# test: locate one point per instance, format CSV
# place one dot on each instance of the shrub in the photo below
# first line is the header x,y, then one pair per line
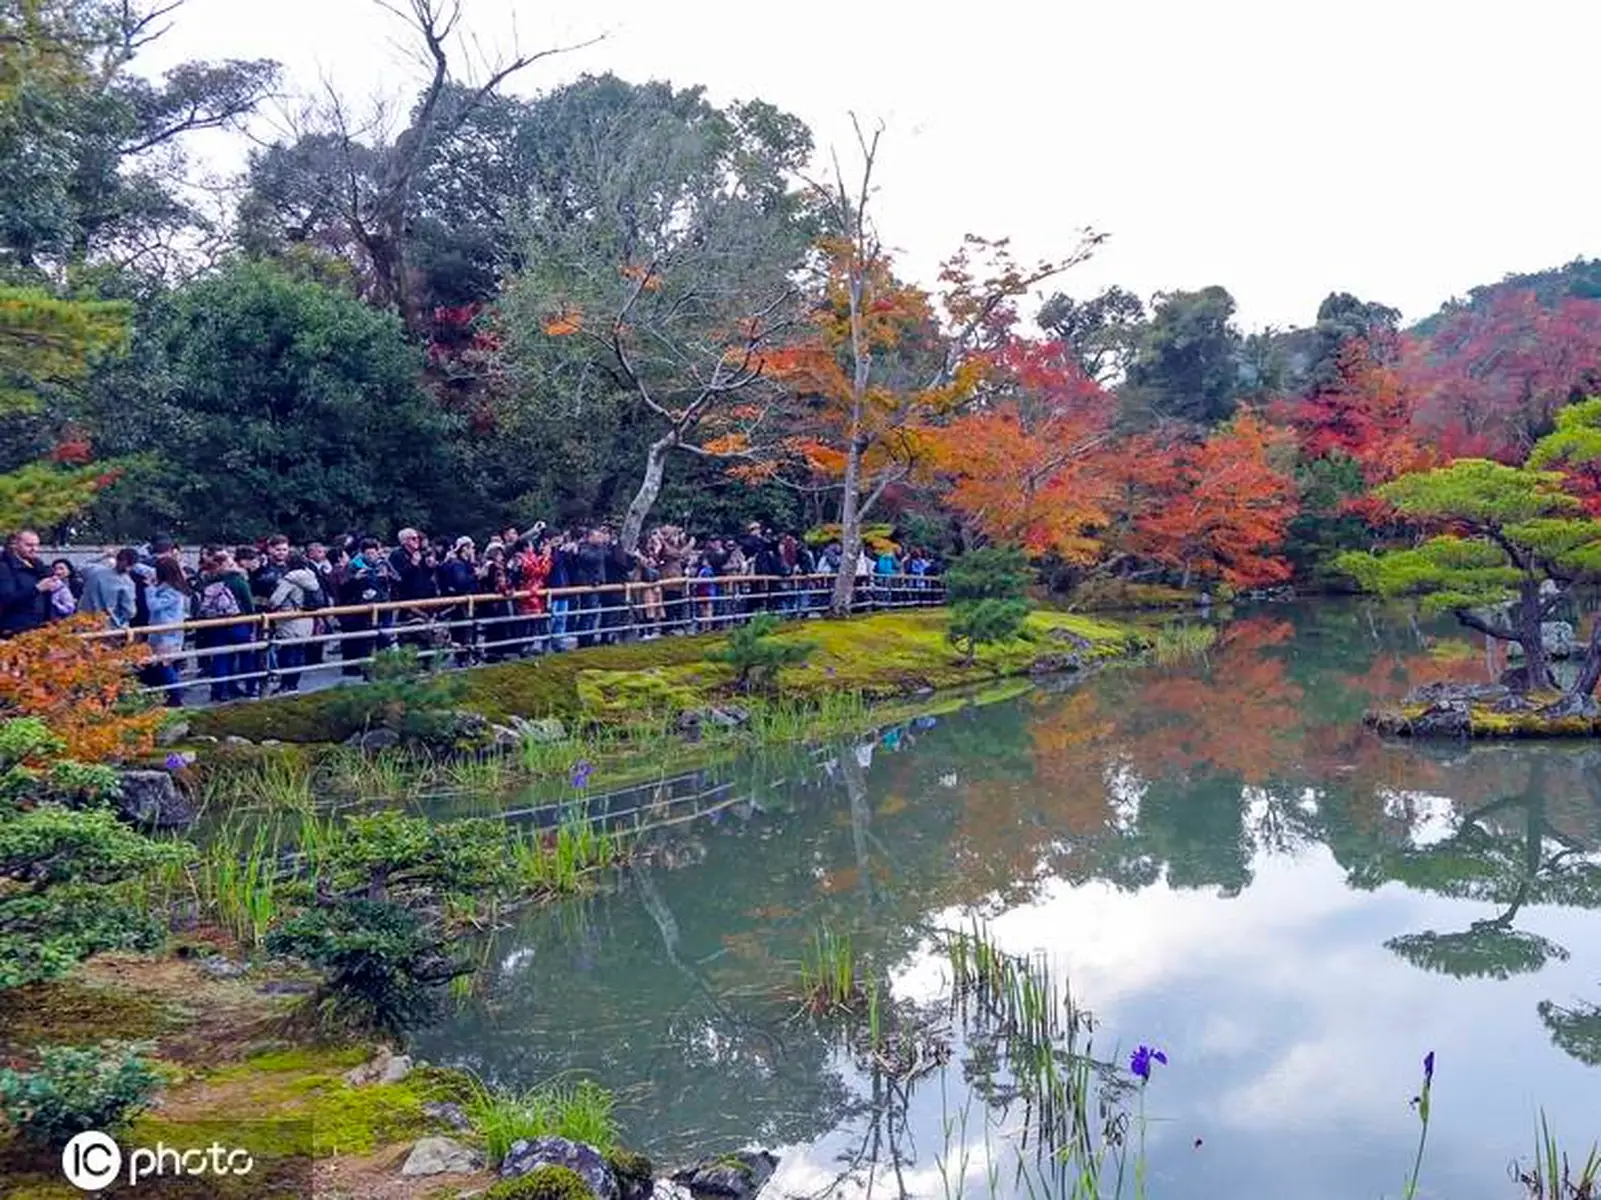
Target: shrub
x,y
65,860
83,690
987,591
416,699
756,655
542,1183
382,967
580,1112
76,1088
387,853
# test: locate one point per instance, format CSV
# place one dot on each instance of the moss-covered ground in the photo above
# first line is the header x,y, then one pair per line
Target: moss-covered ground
x,y
881,656
230,1079
1485,721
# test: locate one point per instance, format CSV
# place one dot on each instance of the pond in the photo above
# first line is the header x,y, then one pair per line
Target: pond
x,y
1213,857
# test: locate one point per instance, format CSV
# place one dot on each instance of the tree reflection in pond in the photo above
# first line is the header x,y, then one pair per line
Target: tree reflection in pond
x,y
1181,791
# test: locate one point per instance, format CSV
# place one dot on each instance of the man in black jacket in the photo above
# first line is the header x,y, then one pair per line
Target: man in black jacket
x,y
25,585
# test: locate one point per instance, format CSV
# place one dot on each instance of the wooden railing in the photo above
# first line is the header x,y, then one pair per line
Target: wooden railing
x,y
248,655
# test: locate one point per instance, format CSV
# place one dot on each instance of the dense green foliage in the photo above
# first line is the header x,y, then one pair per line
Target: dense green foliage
x,y
275,400
987,591
64,860
77,1088
414,698
756,655
382,968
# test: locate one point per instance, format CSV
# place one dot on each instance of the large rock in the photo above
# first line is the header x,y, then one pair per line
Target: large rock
x,y
1481,693
584,1160
386,1067
1558,637
729,1176
373,739
541,729
172,733
152,798
1445,718
442,1156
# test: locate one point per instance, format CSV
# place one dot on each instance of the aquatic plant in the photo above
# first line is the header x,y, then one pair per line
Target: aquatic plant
x,y
1421,1103
581,1111
1552,1175
556,860
829,974
1181,642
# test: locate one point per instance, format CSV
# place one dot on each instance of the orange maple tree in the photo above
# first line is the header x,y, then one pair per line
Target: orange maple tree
x,y
79,687
1026,468
1214,509
884,363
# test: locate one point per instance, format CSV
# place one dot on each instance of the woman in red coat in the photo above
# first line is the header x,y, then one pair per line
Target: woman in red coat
x,y
532,566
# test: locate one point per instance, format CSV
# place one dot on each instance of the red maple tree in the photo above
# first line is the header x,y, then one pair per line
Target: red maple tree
x,y
1490,378
1214,509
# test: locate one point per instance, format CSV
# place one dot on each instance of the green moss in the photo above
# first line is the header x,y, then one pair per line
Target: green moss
x,y
542,1183
1485,722
1122,595
307,1085
72,1012
883,655
612,696
626,1164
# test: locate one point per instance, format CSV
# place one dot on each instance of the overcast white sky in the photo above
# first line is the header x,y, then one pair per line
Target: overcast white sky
x,y
1403,150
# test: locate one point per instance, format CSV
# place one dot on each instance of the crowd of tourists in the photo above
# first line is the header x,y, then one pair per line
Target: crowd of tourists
x,y
533,592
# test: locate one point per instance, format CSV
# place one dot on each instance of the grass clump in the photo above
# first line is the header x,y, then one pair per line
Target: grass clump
x,y
1180,643
1554,1176
829,976
581,1112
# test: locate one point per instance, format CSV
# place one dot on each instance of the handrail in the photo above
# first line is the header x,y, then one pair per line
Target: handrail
x,y
377,608
457,630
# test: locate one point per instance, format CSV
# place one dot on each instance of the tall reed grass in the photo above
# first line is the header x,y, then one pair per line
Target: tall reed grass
x,y
580,1111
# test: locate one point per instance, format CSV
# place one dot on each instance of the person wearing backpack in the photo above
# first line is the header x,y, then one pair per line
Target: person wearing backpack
x,y
224,592
299,590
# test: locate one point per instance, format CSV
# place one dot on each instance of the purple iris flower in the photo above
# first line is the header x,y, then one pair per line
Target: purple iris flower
x,y
1140,1061
177,762
581,773
1428,1067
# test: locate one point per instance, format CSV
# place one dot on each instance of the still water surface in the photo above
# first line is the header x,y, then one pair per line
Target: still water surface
x,y
1215,856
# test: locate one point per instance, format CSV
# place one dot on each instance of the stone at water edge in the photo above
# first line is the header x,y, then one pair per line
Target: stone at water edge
x,y
442,1156
540,729
506,738
447,1113
373,739
152,798
582,1159
171,735
386,1067
737,1176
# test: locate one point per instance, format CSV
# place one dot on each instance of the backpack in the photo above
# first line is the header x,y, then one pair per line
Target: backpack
x,y
312,599
217,600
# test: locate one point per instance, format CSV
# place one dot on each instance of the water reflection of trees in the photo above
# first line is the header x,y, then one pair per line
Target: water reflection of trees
x,y
1189,776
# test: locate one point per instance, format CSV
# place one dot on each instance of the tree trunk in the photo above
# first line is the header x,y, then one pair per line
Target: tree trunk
x,y
649,488
850,531
1537,672
1590,672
